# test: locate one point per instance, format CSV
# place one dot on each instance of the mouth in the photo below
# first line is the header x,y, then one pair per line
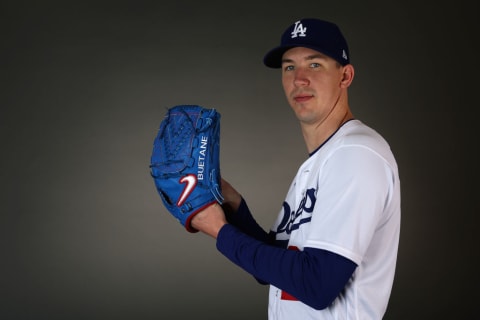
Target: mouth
x,y
302,98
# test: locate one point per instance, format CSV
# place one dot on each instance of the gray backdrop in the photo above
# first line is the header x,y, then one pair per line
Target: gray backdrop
x,y
84,86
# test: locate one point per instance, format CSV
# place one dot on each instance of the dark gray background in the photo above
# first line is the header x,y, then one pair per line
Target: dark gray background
x,y
84,86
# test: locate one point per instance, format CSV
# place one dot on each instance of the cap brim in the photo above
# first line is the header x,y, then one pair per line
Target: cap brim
x,y
273,59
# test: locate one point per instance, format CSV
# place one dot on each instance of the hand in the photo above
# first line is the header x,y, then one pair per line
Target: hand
x,y
210,220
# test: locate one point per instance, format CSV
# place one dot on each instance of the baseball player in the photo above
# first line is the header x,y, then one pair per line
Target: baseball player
x,y
331,253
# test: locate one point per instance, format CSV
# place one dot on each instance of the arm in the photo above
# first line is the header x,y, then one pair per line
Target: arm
x,y
314,276
244,221
235,212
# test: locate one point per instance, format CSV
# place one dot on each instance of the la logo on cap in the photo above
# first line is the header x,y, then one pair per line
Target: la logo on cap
x,y
299,30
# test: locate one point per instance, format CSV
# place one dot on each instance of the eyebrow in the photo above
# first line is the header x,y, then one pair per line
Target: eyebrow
x,y
310,57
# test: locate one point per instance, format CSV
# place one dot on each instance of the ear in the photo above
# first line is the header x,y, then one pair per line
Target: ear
x,y
347,77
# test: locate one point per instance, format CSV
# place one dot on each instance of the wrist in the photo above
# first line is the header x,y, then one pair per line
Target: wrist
x,y
210,220
232,203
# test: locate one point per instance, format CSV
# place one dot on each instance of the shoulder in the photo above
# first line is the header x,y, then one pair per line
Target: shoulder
x,y
354,144
357,135
357,132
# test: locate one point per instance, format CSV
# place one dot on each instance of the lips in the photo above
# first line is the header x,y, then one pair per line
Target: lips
x,y
302,97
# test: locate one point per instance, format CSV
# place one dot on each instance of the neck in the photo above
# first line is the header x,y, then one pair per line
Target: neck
x,y
316,135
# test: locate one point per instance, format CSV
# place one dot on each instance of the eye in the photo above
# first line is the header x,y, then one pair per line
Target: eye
x,y
288,68
314,65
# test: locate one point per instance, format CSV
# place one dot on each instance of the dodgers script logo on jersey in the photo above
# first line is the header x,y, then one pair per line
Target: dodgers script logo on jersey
x,y
289,222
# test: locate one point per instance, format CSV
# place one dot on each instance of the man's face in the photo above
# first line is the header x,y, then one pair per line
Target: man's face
x,y
312,83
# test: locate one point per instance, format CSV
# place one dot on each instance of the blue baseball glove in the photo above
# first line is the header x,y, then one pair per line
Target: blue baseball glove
x,y
185,163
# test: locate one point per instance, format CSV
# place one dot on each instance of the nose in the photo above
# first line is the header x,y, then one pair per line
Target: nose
x,y
301,79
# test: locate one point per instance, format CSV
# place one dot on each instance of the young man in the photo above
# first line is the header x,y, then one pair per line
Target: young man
x,y
331,253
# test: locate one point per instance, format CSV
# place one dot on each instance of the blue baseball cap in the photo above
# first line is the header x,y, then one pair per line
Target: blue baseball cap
x,y
320,35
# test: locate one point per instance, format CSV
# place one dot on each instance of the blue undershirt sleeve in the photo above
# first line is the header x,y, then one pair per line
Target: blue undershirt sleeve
x,y
243,220
314,276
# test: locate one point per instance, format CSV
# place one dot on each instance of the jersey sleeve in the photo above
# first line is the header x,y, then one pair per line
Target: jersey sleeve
x,y
355,188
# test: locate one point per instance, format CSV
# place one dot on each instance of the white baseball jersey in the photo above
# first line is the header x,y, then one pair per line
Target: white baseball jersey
x,y
345,198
